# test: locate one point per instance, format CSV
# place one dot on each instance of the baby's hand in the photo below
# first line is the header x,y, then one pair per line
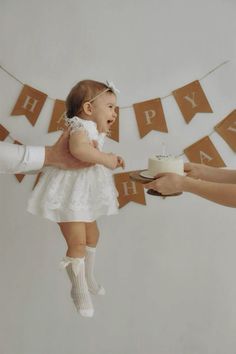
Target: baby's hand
x,y
111,161
121,162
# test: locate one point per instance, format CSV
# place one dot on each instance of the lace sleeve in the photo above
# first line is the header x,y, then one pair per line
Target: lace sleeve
x,y
75,125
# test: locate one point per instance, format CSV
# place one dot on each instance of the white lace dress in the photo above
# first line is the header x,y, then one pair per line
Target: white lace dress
x,y
75,195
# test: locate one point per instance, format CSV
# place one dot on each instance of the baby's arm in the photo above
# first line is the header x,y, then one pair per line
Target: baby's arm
x,y
81,148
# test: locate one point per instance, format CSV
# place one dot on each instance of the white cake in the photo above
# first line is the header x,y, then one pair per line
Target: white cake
x,y
158,164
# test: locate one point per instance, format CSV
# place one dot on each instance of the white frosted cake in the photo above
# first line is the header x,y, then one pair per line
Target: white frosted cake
x,y
158,164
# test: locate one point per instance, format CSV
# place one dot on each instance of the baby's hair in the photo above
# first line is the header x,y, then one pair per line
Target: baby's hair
x,y
83,91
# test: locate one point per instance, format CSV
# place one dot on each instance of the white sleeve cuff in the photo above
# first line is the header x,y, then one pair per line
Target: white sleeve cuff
x,y
16,158
34,158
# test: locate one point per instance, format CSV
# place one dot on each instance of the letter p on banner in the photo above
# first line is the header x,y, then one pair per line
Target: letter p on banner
x,y
150,116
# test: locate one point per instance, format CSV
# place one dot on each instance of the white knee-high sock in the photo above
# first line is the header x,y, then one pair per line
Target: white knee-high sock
x,y
93,286
75,268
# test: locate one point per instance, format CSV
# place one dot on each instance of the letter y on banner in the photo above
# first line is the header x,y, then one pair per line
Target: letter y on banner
x,y
191,99
128,190
227,130
29,103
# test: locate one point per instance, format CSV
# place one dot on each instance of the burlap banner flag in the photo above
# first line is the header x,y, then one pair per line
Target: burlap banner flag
x,y
37,179
191,99
204,152
19,176
29,103
150,116
114,131
3,132
227,130
129,191
57,120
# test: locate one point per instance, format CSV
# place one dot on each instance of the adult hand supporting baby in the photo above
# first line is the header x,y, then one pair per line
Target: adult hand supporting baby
x,y
58,155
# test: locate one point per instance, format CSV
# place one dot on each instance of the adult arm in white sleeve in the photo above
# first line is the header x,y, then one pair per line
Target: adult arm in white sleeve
x,y
16,158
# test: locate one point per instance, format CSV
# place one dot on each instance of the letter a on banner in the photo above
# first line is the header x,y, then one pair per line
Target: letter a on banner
x,y
227,130
58,115
204,152
129,191
191,99
29,103
150,116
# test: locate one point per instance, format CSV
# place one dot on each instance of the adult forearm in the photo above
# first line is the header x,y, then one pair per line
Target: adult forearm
x,y
224,194
219,175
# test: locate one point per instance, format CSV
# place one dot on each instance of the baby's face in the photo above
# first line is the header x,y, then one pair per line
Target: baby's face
x,y
104,112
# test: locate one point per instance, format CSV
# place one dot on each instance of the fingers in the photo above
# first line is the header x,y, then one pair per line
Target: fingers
x,y
121,162
151,185
187,167
95,144
159,175
63,138
157,182
65,133
60,145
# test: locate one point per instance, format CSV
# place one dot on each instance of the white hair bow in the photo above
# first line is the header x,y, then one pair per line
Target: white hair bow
x,y
112,87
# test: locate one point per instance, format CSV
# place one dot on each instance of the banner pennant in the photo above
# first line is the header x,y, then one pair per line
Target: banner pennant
x,y
114,131
227,130
3,132
29,103
150,116
204,152
129,191
191,99
37,179
19,176
57,120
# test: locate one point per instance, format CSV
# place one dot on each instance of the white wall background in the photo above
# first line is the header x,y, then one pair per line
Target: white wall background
x,y
168,267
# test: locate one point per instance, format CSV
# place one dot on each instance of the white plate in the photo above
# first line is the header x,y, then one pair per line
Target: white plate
x,y
145,174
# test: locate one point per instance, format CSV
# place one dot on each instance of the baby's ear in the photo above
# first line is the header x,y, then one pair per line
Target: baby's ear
x,y
87,107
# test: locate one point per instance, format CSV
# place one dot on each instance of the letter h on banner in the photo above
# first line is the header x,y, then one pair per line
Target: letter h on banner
x,y
29,103
128,190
